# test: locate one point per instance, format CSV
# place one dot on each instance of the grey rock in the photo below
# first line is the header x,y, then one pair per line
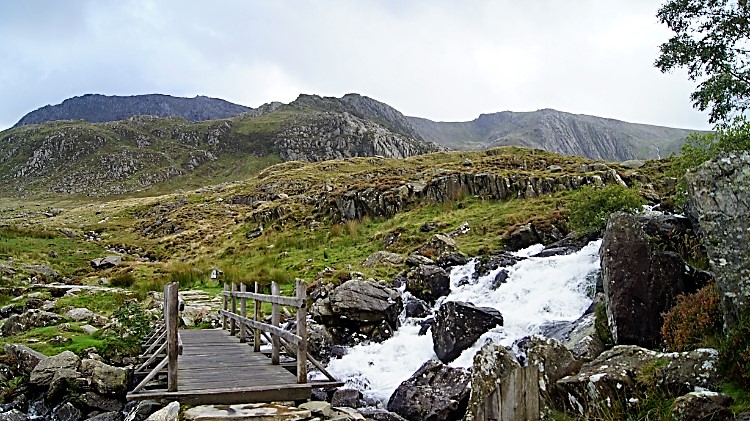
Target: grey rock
x,y
98,402
719,201
380,415
44,271
617,375
13,415
416,259
458,325
64,364
252,411
107,416
583,340
417,308
67,412
105,379
437,246
642,275
106,262
702,406
79,314
428,282
491,365
347,397
553,360
140,410
170,412
24,357
383,258
435,392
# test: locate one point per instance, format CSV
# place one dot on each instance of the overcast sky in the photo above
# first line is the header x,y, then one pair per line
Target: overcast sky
x,y
442,60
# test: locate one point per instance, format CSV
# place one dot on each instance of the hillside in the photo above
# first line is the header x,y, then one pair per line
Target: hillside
x,y
154,154
555,131
96,108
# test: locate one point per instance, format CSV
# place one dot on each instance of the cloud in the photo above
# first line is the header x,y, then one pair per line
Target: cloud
x,y
436,59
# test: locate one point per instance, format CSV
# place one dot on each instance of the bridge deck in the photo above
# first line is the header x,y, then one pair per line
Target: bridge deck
x,y
216,368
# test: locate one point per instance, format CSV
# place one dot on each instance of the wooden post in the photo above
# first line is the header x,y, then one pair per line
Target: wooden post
x,y
226,307
171,315
301,289
233,322
275,290
243,313
256,317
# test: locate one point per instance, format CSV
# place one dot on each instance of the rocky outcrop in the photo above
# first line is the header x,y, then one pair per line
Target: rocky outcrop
x,y
332,135
383,258
556,131
458,325
372,202
623,371
553,360
719,201
642,274
702,406
18,323
97,108
357,310
435,392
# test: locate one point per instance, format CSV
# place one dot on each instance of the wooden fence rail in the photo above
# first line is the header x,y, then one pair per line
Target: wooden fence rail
x,y
238,323
165,340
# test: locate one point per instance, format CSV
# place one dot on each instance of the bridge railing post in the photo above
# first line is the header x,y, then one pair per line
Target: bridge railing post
x,y
171,309
243,313
275,290
233,322
226,307
256,317
301,292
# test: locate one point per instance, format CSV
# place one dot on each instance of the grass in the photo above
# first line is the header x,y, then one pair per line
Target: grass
x,y
104,303
41,339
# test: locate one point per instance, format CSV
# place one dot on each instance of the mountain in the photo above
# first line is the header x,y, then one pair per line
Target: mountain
x,y
153,154
96,108
556,131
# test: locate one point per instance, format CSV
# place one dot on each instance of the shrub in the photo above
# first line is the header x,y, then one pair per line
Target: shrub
x,y
589,207
695,321
128,326
125,280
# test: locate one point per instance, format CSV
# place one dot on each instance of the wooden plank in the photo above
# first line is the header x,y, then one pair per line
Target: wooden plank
x,y
152,358
243,313
288,336
225,307
273,299
229,396
301,291
233,322
256,318
275,315
151,375
172,334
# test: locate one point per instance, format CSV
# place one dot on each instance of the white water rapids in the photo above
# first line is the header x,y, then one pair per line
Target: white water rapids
x,y
538,290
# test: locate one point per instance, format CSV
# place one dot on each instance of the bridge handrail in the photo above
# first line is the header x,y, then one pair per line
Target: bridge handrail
x,y
232,319
169,339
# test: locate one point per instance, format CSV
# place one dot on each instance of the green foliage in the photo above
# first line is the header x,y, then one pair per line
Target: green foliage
x,y
129,325
98,302
700,148
710,40
734,354
694,322
590,208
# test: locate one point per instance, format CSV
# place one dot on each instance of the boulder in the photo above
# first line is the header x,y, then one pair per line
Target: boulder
x,y
553,359
428,282
106,262
66,412
632,164
417,308
140,410
319,341
44,271
458,325
642,274
64,364
23,357
719,203
491,365
583,340
437,246
347,397
171,412
97,402
624,371
105,379
435,392
248,411
380,415
30,319
79,314
107,416
702,406
383,258
13,415
487,264
415,260
358,310
449,260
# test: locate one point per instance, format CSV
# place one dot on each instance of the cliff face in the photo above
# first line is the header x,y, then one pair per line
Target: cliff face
x,y
555,131
96,108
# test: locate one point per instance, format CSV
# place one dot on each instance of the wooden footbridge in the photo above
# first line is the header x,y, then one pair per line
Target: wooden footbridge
x,y
228,365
